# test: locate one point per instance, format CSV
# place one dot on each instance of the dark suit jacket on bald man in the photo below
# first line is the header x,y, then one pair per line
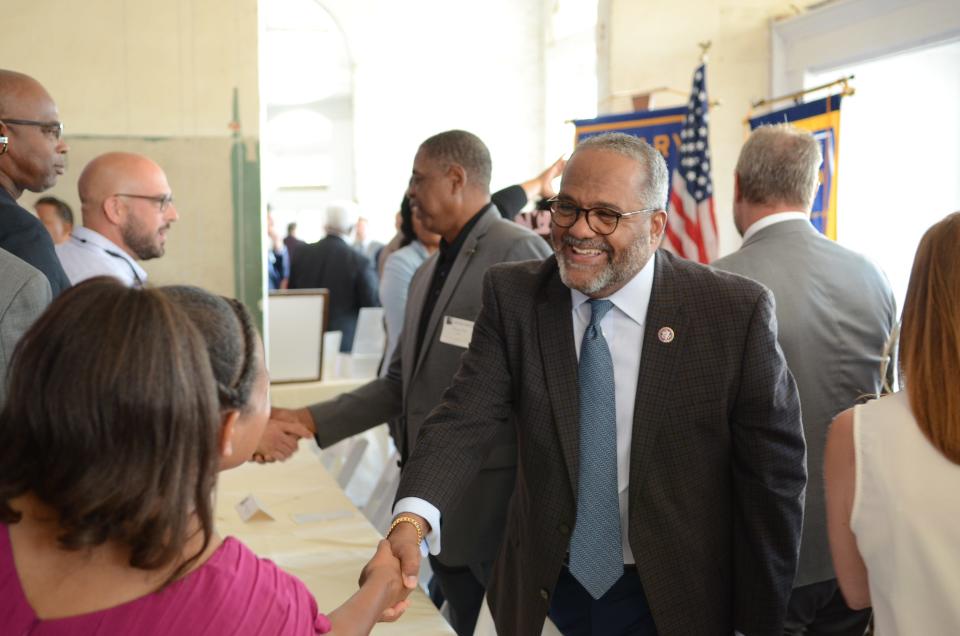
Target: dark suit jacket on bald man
x,y
716,466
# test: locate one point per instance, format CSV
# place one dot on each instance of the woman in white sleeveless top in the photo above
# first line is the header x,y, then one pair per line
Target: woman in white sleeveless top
x,y
892,466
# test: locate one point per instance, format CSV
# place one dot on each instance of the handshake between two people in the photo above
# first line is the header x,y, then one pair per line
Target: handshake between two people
x,y
385,582
396,565
393,572
282,434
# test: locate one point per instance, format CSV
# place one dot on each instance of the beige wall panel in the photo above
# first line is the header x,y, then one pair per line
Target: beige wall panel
x,y
156,78
137,67
655,44
200,244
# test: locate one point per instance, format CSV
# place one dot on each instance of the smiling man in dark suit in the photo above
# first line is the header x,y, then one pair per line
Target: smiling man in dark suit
x,y
661,474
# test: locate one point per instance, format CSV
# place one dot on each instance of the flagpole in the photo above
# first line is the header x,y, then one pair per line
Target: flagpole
x,y
846,92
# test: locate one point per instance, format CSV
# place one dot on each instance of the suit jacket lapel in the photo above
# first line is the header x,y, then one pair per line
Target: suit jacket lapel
x,y
466,253
411,321
555,329
658,364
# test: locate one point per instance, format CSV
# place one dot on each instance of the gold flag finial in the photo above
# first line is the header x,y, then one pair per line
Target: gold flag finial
x,y
704,48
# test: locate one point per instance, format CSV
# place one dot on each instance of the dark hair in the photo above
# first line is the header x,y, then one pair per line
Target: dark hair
x,y
227,327
63,210
406,223
291,227
112,421
464,149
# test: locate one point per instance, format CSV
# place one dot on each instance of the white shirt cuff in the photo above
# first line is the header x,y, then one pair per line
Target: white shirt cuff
x,y
428,511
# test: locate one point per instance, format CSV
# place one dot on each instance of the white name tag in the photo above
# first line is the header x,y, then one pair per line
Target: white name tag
x,y
251,508
456,331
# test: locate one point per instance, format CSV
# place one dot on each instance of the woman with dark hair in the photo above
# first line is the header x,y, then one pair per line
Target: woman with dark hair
x,y
892,466
123,405
416,246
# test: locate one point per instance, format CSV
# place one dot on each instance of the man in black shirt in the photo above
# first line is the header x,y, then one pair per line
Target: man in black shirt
x,y
449,192
32,156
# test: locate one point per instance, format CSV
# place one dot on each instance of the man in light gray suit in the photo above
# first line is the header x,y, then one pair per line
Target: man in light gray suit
x,y
449,192
24,294
835,311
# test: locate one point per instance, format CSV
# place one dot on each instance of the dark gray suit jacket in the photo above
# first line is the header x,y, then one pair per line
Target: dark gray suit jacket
x,y
717,459
414,385
24,294
835,310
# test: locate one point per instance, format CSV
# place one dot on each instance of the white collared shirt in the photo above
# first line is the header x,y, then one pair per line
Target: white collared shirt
x,y
622,327
88,253
779,217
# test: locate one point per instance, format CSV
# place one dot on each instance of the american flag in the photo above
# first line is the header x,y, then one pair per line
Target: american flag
x,y
691,223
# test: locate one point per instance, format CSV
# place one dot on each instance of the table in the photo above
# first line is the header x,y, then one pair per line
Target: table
x,y
297,394
326,551
379,449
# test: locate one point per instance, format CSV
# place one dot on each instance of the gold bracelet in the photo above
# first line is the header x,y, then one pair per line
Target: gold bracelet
x,y
410,520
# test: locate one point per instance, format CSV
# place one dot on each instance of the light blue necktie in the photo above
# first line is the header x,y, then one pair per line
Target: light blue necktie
x,y
596,553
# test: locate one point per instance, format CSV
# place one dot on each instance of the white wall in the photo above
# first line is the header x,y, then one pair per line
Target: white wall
x,y
425,66
155,78
899,155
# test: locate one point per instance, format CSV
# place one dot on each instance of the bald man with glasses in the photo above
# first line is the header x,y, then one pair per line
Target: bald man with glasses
x,y
127,210
32,157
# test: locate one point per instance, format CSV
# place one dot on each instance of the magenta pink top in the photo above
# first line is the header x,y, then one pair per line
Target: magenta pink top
x,y
234,592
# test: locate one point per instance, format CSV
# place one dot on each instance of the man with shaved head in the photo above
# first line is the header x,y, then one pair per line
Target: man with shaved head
x,y
32,156
127,208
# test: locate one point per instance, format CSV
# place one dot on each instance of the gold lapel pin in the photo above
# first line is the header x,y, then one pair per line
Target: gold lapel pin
x,y
666,334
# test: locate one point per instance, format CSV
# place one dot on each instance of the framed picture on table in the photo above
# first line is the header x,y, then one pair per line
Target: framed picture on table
x,y
296,321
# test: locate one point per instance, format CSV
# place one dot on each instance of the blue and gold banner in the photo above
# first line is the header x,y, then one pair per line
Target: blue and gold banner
x,y
822,119
659,128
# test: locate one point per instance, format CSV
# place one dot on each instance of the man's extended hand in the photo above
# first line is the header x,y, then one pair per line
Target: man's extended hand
x,y
284,430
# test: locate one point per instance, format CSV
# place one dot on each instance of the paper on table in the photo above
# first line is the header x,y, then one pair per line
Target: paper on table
x,y
251,508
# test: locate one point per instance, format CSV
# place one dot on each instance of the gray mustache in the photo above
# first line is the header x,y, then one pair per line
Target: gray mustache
x,y
585,244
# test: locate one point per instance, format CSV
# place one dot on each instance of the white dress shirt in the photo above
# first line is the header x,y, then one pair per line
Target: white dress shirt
x,y
779,217
622,328
88,253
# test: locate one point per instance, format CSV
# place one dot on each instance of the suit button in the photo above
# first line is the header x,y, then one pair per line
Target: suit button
x,y
544,594
564,529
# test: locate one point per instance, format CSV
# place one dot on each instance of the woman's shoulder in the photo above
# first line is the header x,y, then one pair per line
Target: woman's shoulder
x,y
237,592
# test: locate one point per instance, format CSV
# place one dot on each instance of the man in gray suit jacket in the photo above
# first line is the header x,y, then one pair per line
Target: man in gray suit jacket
x,y
835,311
449,191
661,467
24,294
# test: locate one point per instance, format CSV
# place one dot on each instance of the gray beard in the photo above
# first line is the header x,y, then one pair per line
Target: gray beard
x,y
614,273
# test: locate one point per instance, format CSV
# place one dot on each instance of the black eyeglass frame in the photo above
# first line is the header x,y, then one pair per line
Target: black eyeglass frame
x,y
55,127
555,201
163,199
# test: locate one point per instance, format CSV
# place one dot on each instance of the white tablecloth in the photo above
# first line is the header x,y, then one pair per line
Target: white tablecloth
x,y
326,549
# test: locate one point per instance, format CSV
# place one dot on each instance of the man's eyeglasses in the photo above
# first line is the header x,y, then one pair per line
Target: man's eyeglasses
x,y
163,200
601,220
52,128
